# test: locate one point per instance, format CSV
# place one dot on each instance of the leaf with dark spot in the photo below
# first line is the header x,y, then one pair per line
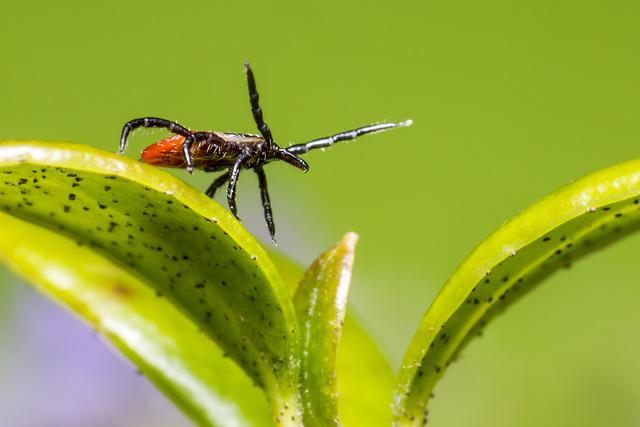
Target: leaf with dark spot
x,y
321,301
261,336
548,236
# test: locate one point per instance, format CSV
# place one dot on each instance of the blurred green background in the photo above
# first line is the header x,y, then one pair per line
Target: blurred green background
x,y
510,99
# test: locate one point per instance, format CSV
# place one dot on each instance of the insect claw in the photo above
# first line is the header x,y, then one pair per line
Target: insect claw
x,y
406,123
304,166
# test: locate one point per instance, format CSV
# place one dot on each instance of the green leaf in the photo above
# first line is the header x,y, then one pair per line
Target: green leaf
x,y
173,239
166,346
321,301
571,222
365,379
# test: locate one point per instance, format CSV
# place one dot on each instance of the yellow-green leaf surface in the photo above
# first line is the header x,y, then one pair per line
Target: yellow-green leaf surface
x,y
585,215
173,239
321,302
364,377
166,346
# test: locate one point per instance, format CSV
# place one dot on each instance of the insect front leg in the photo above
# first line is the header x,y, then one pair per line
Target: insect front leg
x,y
266,202
233,181
344,136
292,159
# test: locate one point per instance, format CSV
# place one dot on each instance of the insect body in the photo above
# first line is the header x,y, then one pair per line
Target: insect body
x,y
214,151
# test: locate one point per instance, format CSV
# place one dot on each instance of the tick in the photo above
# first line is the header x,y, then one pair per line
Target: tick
x,y
214,151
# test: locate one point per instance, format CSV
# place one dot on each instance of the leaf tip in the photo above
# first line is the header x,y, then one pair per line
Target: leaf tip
x,y
350,240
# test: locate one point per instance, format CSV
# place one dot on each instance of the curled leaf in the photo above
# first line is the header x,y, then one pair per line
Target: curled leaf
x,y
364,376
571,222
320,301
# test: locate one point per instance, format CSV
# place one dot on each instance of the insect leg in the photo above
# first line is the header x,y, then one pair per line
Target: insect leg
x,y
186,150
344,136
254,100
233,181
266,202
150,122
219,182
186,147
292,159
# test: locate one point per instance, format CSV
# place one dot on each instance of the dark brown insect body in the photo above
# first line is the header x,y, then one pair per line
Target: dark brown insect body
x,y
214,151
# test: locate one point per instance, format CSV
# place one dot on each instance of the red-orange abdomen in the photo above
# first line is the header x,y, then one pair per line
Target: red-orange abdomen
x,y
166,152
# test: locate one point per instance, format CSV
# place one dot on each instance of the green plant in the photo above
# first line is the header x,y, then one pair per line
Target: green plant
x,y
177,284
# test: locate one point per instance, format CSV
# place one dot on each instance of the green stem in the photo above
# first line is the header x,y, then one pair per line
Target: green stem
x,y
287,410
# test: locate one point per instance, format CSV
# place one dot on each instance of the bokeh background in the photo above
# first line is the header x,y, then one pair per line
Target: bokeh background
x,y
510,99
